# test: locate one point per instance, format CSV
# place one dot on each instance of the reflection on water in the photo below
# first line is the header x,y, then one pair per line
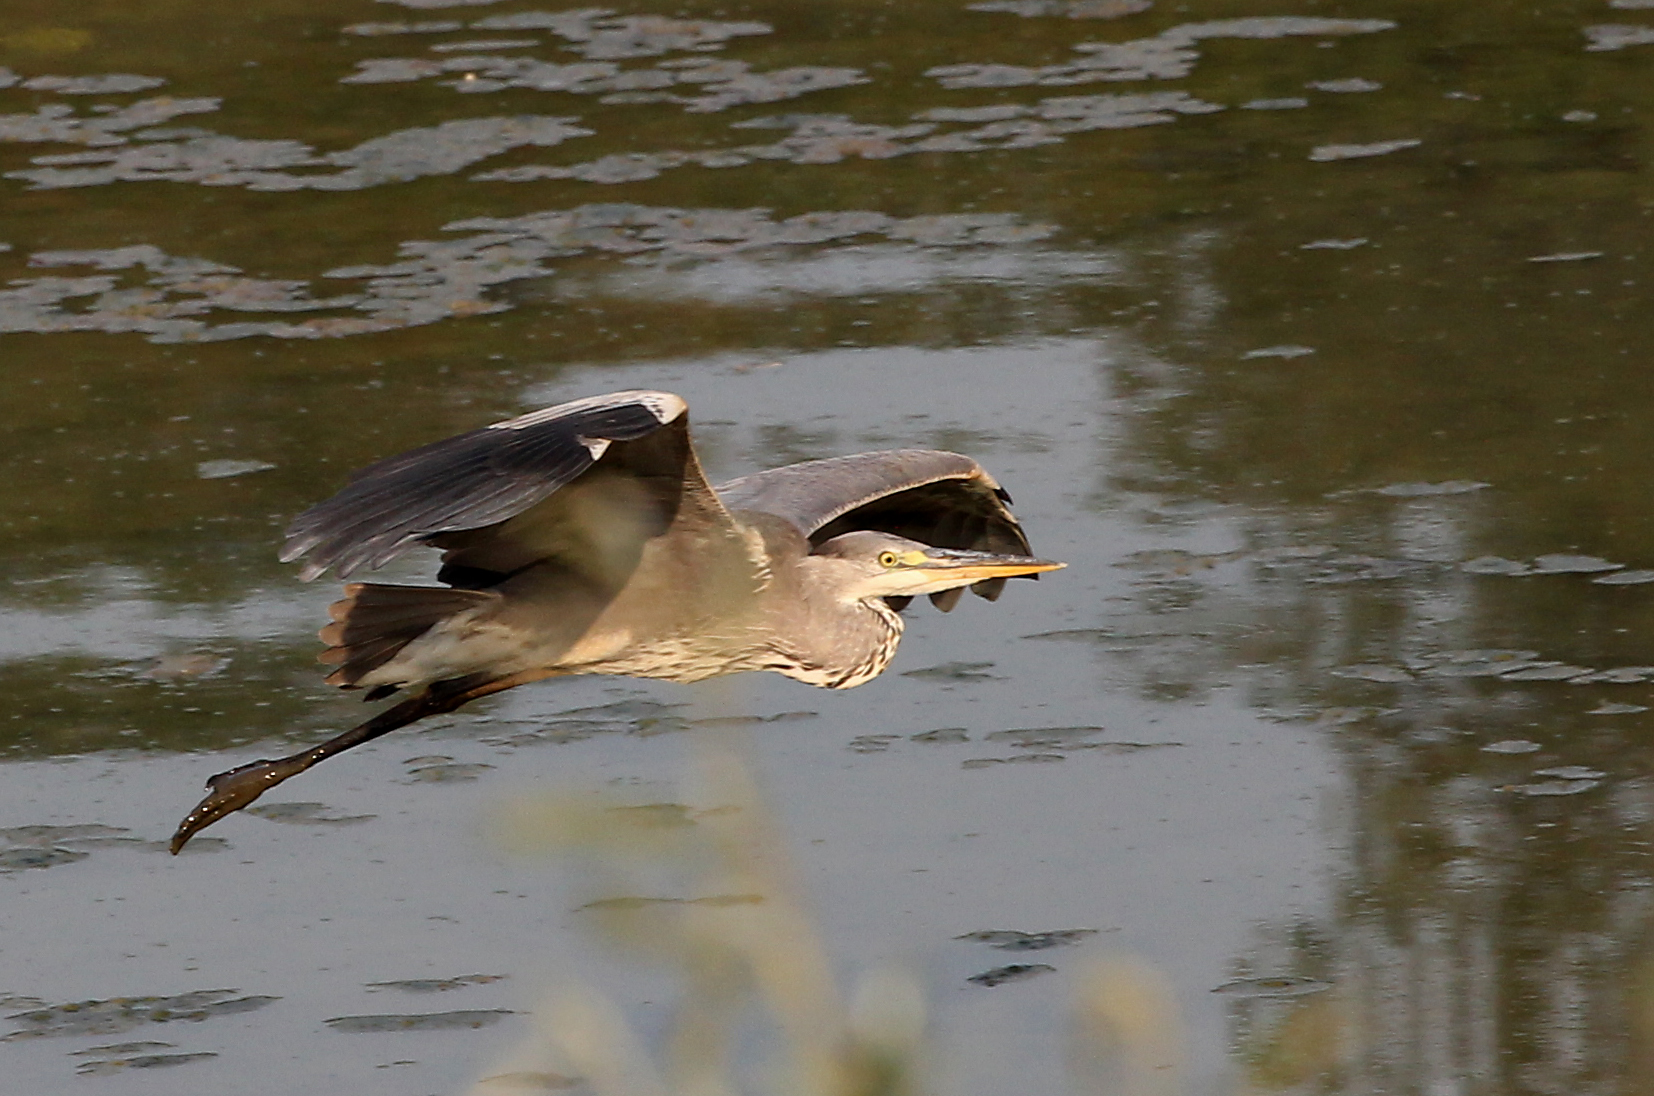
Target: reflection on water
x,y
1314,339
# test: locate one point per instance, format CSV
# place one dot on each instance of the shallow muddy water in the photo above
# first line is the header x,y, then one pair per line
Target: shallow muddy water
x,y
1313,336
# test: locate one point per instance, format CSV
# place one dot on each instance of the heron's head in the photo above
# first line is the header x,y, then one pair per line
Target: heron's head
x,y
885,565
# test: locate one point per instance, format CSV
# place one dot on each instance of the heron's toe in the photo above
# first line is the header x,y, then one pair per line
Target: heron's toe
x,y
230,791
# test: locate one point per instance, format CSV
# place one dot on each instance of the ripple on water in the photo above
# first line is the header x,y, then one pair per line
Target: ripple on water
x,y
1348,86
108,84
1612,36
1555,787
267,164
107,1066
1287,985
1561,564
305,814
1326,153
1283,351
435,280
1012,940
1064,9
431,1021
1015,972
117,1014
1625,578
1169,55
438,985
226,469
524,1080
1511,746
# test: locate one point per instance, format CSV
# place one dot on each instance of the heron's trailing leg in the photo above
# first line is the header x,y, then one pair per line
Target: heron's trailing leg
x,y
230,791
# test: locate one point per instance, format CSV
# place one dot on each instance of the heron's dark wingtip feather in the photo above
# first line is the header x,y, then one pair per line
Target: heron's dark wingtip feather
x,y
990,588
468,481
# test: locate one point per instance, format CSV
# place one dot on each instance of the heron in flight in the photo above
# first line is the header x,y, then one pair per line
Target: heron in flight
x,y
584,539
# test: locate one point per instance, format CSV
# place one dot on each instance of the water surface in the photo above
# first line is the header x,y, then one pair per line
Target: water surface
x,y
1312,335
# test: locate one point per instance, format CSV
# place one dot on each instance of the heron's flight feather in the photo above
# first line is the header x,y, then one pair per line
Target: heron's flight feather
x,y
481,478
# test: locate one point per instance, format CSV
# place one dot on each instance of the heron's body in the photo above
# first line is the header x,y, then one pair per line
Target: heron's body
x,y
584,539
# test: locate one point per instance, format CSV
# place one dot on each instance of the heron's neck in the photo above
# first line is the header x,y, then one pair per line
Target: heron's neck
x,y
826,640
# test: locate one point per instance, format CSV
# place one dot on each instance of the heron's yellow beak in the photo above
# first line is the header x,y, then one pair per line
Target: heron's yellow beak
x,y
965,567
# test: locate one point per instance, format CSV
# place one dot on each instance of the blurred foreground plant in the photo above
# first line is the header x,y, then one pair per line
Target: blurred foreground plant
x,y
744,946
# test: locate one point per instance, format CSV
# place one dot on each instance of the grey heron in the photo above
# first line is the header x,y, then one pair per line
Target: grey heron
x,y
584,539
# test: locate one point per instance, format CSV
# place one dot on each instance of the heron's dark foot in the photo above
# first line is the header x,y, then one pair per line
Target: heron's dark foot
x,y
230,791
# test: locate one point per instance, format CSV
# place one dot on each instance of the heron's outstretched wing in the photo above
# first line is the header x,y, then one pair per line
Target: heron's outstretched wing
x,y
942,499
632,448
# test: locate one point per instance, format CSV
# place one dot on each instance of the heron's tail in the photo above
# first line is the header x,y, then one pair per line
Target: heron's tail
x,y
374,622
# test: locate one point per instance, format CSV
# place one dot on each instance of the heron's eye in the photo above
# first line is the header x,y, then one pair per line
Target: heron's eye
x,y
887,559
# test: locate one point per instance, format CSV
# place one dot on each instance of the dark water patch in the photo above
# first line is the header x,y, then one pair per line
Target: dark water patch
x,y
108,1066
117,1014
1286,985
147,1046
41,857
1503,665
941,736
1106,637
46,846
955,671
453,772
51,835
1012,940
1016,759
1059,738
635,716
752,720
461,1019
438,985
306,814
1015,972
